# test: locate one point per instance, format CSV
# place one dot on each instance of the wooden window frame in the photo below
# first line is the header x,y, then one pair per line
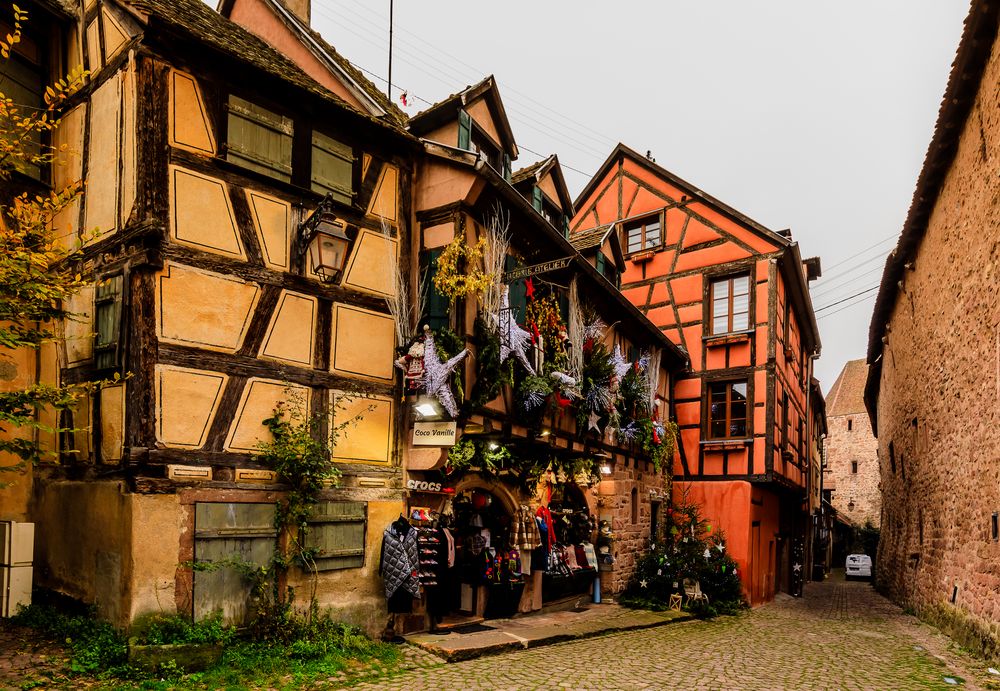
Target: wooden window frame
x,y
711,282
728,383
110,290
642,222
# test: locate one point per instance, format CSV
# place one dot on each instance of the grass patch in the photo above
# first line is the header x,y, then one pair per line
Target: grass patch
x,y
302,650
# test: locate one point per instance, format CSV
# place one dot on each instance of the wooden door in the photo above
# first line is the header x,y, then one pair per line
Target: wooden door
x,y
234,534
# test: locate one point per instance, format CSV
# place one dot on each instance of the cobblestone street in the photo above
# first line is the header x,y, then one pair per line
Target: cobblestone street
x,y
841,635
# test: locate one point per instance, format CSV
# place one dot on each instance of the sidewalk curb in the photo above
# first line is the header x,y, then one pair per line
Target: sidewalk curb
x,y
450,656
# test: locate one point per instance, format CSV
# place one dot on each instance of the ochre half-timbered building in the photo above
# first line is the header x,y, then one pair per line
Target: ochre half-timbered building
x,y
733,294
204,150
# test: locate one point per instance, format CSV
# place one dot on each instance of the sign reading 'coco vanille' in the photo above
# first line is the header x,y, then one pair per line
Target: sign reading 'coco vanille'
x,y
434,433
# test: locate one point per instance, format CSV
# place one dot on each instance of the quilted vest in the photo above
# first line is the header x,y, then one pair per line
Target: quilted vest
x,y
400,561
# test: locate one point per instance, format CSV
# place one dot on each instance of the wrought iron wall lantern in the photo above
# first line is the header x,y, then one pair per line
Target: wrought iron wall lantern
x,y
324,237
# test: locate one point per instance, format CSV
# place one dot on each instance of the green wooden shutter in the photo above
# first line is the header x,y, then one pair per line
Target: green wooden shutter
x,y
464,130
332,168
107,319
565,226
518,292
437,306
337,533
229,533
600,263
536,198
507,171
259,139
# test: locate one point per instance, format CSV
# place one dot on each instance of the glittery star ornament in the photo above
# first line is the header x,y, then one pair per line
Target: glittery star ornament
x,y
643,583
708,553
437,374
513,339
593,422
620,364
796,567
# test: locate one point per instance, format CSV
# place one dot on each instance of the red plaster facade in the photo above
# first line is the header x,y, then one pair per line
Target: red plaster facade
x,y
695,252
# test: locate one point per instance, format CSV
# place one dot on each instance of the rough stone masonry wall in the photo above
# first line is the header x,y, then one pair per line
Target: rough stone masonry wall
x,y
939,403
844,446
614,501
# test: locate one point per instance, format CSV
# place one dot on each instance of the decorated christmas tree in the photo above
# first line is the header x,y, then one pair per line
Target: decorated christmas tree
x,y
690,549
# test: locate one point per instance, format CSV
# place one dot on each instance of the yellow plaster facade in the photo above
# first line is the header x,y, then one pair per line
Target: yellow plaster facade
x,y
363,343
291,333
365,427
272,221
187,118
259,400
201,308
368,269
186,402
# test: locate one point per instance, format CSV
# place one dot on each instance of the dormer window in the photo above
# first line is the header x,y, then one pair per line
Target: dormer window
x,y
472,138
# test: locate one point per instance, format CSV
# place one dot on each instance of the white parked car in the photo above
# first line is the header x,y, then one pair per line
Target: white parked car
x,y
858,566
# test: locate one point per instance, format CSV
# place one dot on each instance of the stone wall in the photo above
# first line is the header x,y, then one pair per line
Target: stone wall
x,y
614,502
856,495
937,411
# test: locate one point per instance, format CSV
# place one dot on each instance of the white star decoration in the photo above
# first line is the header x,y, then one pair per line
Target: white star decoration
x,y
593,421
708,553
513,339
643,583
437,374
620,364
796,567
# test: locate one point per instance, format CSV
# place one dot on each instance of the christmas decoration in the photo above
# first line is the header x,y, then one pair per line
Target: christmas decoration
x,y
412,365
593,422
619,363
450,280
437,374
513,339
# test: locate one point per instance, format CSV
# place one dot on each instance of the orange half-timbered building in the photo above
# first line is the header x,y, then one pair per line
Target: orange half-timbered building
x,y
734,295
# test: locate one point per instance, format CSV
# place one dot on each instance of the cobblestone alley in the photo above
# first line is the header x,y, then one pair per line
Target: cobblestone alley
x,y
841,635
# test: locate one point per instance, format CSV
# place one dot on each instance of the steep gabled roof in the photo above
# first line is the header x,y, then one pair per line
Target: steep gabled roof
x,y
341,67
622,151
790,262
537,171
590,240
847,395
446,110
196,21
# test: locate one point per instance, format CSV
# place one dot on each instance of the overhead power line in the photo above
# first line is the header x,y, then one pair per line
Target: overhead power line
x,y
862,301
849,297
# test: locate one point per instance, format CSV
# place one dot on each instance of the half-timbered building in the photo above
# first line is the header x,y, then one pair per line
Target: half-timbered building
x,y
204,151
733,294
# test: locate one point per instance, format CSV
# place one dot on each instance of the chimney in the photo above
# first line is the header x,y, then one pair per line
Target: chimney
x,y
300,8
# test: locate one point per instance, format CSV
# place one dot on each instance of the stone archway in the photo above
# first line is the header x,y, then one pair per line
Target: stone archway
x,y
495,487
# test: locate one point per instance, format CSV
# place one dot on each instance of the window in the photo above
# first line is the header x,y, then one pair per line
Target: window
x,y
437,312
850,424
107,317
336,530
854,467
635,505
481,144
730,300
606,267
22,80
259,139
643,234
332,168
727,410
784,422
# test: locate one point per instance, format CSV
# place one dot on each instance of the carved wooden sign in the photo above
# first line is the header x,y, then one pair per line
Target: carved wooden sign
x,y
534,269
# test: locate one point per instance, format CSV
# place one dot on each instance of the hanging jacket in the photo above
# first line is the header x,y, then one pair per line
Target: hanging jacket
x,y
400,561
526,530
544,513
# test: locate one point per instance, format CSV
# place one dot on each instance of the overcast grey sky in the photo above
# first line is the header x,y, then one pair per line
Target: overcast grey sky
x,y
803,115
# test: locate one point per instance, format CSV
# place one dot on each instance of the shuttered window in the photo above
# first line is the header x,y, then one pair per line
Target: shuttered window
x,y
536,198
259,139
436,306
107,317
332,168
507,170
517,292
337,534
464,130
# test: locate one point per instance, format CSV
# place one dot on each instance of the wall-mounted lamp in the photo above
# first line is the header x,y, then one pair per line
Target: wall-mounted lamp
x,y
324,237
605,469
427,407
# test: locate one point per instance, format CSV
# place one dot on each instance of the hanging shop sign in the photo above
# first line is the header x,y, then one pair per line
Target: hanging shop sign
x,y
534,269
429,487
434,433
